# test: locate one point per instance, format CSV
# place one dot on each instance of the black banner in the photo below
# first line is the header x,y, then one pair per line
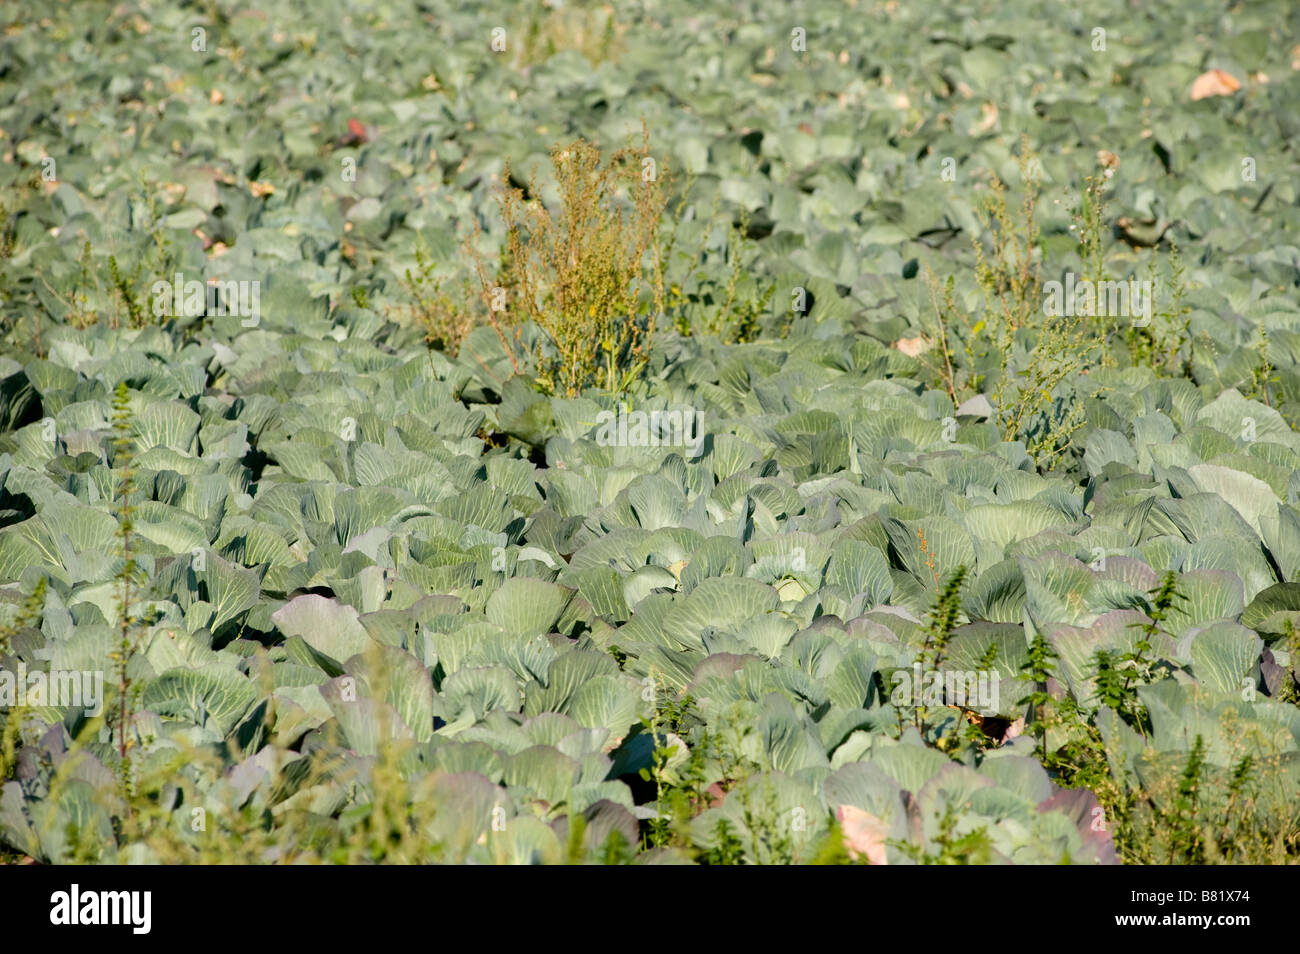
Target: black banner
x,y
292,905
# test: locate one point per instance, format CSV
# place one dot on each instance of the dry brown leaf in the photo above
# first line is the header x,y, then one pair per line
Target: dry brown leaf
x,y
864,834
913,346
1214,83
989,118
1015,729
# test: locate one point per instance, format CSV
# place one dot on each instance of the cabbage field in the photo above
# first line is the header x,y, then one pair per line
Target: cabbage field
x,y
673,431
